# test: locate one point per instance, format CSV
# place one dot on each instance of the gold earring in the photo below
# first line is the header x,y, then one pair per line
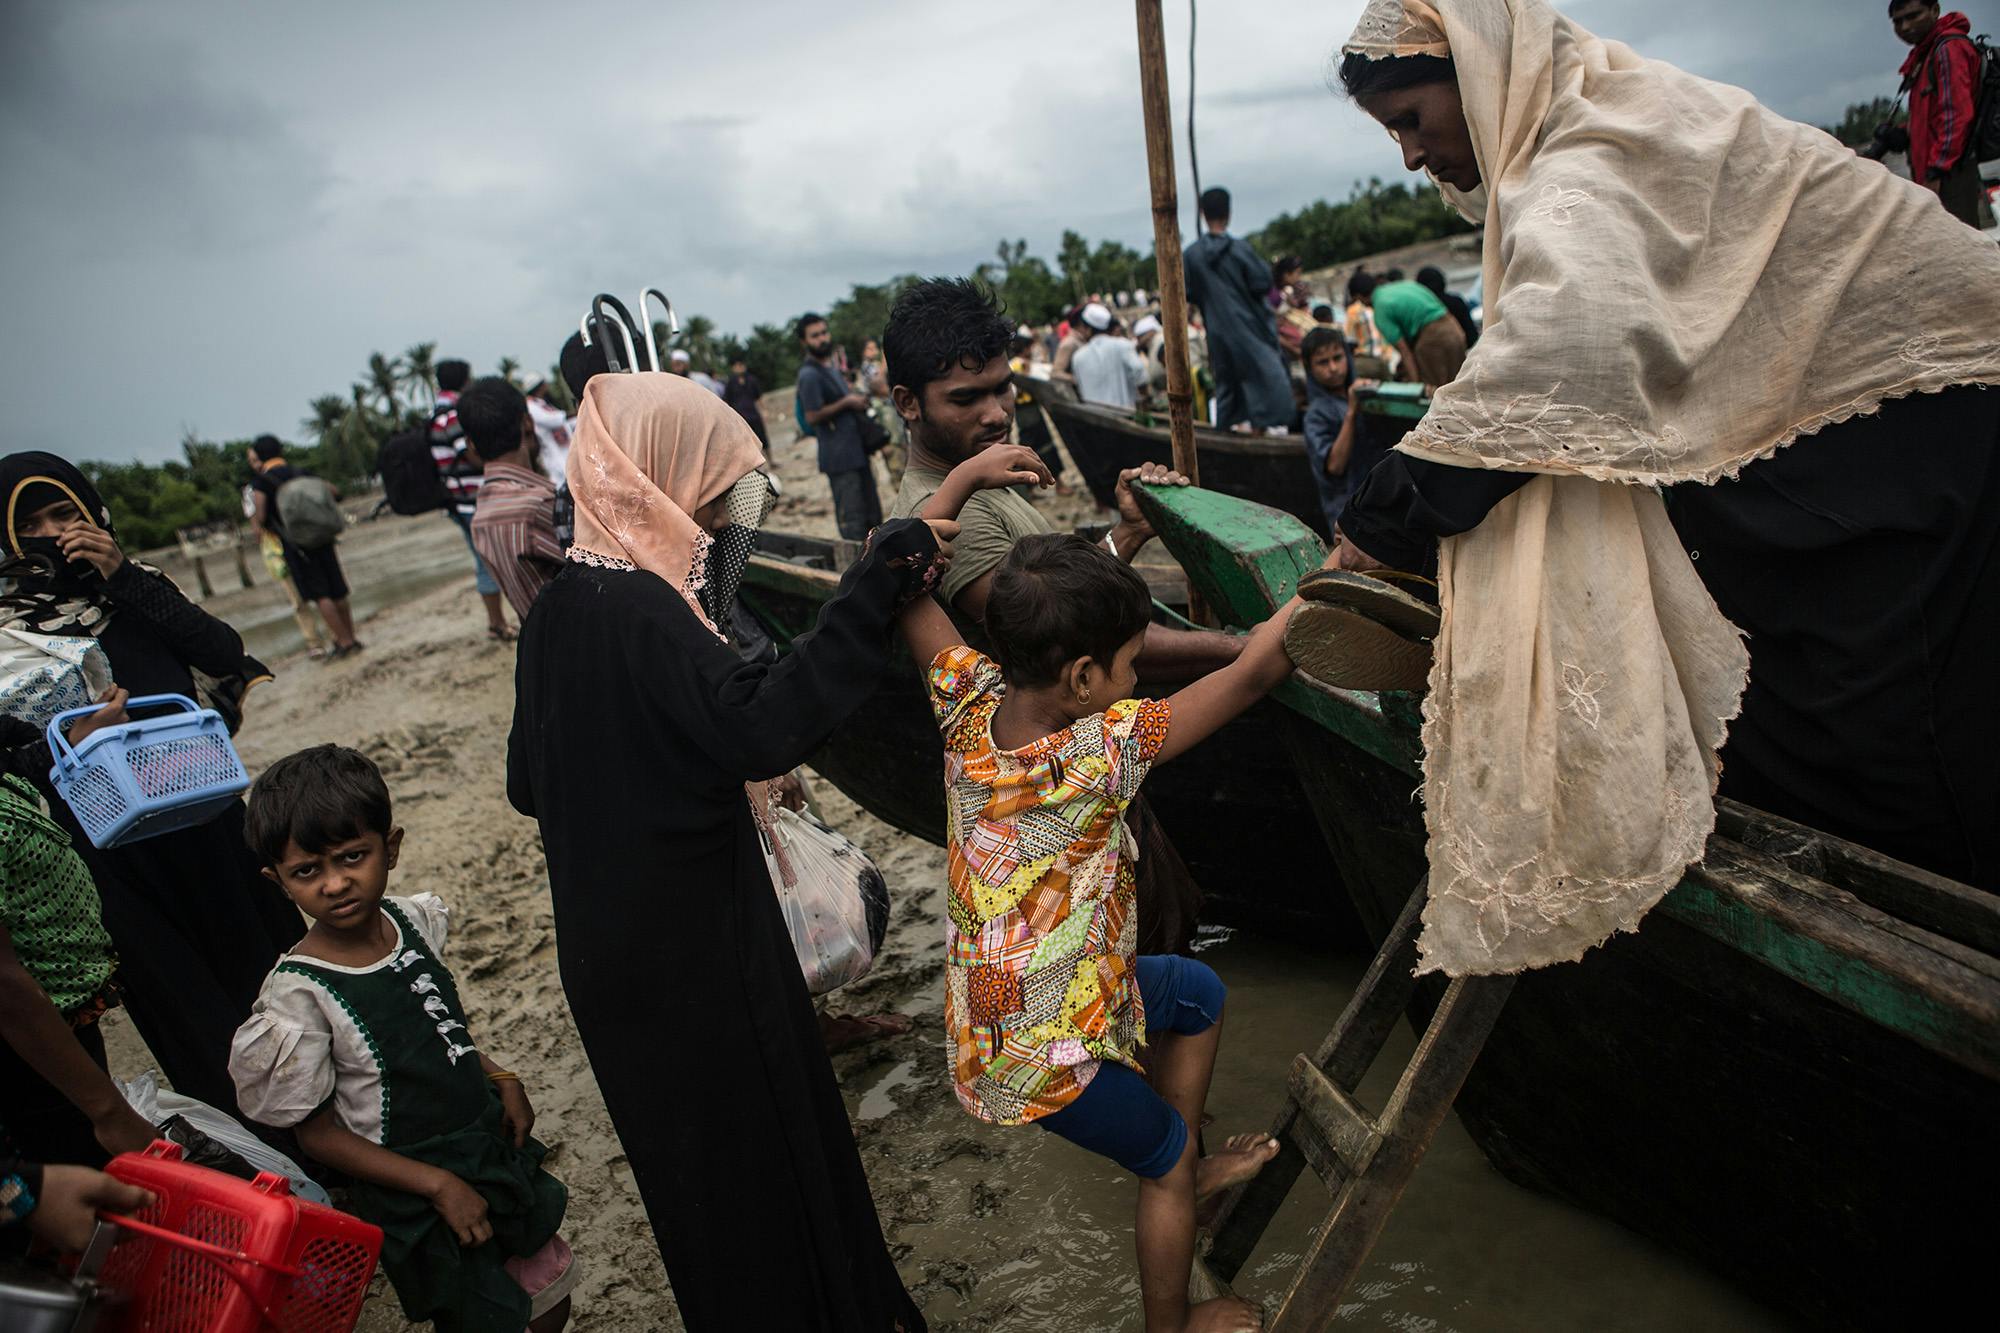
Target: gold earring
x,y
1083,696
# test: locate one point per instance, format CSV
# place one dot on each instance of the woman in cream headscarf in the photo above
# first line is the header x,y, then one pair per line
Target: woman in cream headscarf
x,y
1684,457
636,731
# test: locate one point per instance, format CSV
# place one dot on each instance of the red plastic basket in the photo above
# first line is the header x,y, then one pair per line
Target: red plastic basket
x,y
214,1254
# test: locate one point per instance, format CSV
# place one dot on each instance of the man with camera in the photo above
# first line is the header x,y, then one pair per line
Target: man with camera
x,y
1941,76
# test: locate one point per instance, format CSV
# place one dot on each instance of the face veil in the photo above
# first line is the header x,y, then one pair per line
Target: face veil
x,y
749,504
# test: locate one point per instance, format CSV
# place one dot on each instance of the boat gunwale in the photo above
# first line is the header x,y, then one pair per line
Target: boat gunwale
x,y
1841,943
1888,967
1205,437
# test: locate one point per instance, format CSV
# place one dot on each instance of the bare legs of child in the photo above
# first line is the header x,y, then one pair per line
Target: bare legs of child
x,y
1181,1067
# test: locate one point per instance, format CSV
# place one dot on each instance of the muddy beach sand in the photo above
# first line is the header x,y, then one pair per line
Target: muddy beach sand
x,y
993,1229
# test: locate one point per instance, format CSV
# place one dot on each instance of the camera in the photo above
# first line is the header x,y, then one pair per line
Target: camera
x,y
1889,138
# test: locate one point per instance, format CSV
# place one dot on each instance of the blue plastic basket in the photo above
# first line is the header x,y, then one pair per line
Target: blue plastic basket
x,y
147,777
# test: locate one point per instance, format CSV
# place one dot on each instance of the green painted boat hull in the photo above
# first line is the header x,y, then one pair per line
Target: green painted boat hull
x,y
1791,1071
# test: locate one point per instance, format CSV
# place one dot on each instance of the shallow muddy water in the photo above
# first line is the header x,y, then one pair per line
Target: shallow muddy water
x,y
1042,1237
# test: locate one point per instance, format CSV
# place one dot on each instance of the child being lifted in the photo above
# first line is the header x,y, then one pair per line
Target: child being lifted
x,y
1048,1005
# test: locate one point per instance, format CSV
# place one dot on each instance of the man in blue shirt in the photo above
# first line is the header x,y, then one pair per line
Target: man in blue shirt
x,y
1229,282
834,412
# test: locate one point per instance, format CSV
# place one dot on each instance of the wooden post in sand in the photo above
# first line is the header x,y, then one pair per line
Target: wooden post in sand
x,y
1167,236
1167,252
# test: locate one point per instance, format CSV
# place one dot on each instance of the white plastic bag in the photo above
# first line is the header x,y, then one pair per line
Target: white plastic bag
x,y
43,674
835,901
160,1105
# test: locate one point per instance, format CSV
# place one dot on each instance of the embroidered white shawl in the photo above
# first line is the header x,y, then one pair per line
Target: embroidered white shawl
x,y
1678,282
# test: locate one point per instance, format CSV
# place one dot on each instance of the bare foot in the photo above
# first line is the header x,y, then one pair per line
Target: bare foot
x,y
849,1030
1241,1158
1224,1314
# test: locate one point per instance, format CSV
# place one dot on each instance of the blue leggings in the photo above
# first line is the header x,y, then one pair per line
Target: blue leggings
x,y
1119,1116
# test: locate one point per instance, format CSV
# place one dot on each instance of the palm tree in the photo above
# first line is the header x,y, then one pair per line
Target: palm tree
x,y
385,382
698,337
508,365
356,439
559,389
420,371
325,417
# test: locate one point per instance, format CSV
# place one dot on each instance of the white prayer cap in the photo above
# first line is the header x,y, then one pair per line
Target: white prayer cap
x,y
679,356
1150,324
1024,332
1097,316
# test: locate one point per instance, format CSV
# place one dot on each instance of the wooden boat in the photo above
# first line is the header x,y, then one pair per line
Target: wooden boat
x,y
1044,391
1791,1071
1233,806
1270,469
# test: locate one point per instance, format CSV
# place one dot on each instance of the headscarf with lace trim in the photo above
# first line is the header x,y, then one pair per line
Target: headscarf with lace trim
x,y
651,449
43,591
1674,280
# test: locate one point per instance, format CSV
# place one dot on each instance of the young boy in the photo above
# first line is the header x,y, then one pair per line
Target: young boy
x,y
359,1040
1341,453
1047,1002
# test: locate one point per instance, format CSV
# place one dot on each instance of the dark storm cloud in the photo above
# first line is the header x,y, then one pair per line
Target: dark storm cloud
x,y
109,122
255,196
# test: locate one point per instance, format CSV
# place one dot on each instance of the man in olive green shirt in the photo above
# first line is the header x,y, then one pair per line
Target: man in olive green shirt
x,y
947,352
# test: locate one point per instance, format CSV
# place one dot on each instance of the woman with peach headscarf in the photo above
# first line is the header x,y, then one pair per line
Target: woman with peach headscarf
x,y
642,743
1720,467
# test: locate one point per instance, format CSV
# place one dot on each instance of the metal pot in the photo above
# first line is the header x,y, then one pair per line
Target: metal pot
x,y
33,1300
37,1302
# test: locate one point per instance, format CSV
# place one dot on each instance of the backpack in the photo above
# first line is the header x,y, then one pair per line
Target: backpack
x,y
1983,136
310,513
806,431
410,480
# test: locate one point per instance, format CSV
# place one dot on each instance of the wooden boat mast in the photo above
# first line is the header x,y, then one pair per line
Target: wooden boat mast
x,y
1167,235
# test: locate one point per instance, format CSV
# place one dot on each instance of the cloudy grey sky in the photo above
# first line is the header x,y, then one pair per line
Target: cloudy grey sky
x,y
215,209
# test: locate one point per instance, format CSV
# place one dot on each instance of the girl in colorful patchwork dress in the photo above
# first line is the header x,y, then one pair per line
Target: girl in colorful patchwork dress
x,y
1048,1003
360,1041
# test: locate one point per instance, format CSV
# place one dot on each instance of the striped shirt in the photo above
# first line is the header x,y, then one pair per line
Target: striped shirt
x,y
514,531
454,462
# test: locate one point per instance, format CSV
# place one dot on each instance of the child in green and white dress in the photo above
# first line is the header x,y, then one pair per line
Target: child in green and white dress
x,y
359,1040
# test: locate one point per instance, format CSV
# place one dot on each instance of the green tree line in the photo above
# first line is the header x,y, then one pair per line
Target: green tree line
x,y
1858,123
338,438
1374,217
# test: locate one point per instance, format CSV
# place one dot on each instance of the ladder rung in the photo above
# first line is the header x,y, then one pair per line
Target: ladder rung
x,y
1347,1129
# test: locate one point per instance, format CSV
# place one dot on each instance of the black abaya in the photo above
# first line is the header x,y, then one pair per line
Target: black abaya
x,y
196,924
634,732
1864,565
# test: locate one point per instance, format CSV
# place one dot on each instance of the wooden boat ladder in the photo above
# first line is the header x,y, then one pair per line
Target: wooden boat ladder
x,y
1366,1161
